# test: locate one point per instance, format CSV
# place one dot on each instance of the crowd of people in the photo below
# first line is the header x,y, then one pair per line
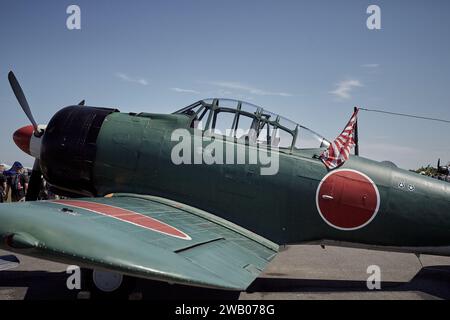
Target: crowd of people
x,y
14,184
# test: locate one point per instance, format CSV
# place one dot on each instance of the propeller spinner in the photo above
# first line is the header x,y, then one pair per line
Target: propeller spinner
x,y
27,141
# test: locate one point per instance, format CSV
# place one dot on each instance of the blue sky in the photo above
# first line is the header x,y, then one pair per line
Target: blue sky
x,y
311,61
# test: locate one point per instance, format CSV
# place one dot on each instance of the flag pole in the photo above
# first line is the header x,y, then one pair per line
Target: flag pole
x,y
356,135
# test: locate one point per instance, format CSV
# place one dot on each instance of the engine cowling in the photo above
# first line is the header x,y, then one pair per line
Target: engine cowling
x,y
69,148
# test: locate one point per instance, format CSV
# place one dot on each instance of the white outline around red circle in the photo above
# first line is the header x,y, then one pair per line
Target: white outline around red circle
x,y
358,227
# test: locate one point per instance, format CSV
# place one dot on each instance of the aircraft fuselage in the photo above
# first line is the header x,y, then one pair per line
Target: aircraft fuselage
x,y
364,201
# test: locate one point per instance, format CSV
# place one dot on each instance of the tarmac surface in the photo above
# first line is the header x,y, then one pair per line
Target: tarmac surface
x,y
298,272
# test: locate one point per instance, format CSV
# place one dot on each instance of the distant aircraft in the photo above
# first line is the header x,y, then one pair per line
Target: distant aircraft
x,y
442,169
134,212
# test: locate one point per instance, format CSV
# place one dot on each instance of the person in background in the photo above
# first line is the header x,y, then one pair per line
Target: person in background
x,y
2,184
43,191
17,182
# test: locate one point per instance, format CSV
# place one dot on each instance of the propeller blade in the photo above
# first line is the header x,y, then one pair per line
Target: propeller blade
x,y
35,183
439,163
21,99
82,102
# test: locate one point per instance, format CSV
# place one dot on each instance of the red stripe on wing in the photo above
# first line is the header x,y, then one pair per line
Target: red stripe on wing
x,y
126,216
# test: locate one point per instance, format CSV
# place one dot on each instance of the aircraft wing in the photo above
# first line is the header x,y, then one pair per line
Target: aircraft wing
x,y
142,236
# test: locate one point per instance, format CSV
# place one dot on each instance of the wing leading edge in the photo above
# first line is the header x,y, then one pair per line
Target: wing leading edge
x,y
142,236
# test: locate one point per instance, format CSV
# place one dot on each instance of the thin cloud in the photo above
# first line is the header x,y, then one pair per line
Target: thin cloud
x,y
370,65
249,89
224,92
127,78
345,87
184,90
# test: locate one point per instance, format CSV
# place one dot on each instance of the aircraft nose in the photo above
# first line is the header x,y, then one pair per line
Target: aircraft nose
x,y
22,138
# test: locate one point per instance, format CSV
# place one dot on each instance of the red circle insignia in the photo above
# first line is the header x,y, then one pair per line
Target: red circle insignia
x,y
347,199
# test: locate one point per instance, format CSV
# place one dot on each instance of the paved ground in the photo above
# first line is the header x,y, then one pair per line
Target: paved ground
x,y
299,272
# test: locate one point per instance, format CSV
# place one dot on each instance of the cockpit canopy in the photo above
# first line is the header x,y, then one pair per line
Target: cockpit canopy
x,y
245,121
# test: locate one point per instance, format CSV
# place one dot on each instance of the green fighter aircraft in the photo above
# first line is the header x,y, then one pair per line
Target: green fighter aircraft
x,y
150,197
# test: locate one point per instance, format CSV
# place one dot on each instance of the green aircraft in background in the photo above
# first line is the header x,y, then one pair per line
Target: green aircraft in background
x,y
134,211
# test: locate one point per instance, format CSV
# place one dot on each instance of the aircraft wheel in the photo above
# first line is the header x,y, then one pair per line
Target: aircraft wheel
x,y
106,284
107,281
